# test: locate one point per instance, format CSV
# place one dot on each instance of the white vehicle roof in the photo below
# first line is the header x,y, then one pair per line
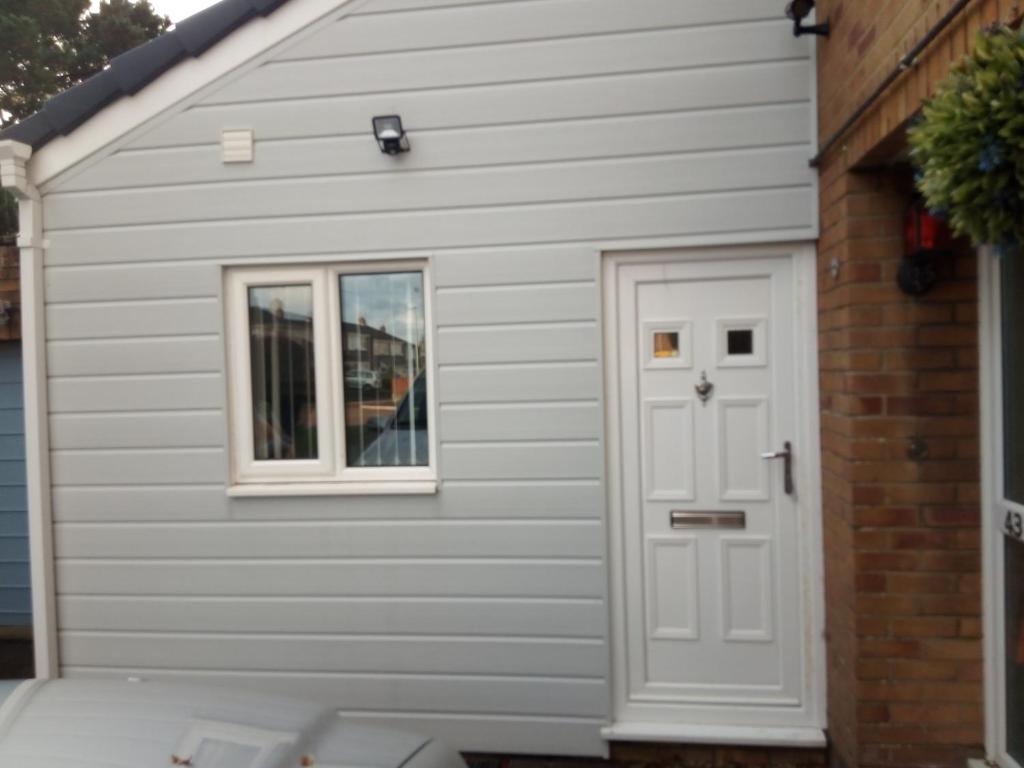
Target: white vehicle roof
x,y
123,724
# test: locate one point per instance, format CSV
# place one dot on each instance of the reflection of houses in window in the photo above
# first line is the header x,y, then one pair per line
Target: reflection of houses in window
x,y
376,351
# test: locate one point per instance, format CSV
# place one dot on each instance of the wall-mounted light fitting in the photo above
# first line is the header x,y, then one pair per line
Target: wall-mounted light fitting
x,y
925,239
390,135
798,10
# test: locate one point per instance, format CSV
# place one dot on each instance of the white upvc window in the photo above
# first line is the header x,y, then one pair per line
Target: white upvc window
x,y
330,370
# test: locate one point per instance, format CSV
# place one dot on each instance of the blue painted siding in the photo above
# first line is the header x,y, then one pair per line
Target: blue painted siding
x,y
15,600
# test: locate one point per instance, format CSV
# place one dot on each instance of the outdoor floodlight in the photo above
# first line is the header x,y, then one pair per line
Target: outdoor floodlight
x,y
390,136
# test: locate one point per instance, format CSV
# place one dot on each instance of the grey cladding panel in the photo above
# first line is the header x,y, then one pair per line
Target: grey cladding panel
x,y
158,466
520,421
483,23
188,354
519,384
621,95
138,393
135,318
126,502
169,429
509,185
617,136
437,616
400,578
515,304
519,61
477,656
517,344
527,461
362,539
491,268
131,281
751,211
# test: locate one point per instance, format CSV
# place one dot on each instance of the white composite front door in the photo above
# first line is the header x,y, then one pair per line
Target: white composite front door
x,y
708,535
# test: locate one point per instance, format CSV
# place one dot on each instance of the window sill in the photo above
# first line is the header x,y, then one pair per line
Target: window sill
x,y
391,488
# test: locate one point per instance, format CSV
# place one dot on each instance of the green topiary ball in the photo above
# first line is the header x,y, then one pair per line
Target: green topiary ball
x,y
968,144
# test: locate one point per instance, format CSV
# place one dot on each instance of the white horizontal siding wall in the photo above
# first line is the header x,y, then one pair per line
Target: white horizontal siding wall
x,y
542,131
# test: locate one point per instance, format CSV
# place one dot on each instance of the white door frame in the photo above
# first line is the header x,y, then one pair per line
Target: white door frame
x,y
993,569
807,471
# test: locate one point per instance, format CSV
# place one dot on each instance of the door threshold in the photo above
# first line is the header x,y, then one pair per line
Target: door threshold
x,y
738,735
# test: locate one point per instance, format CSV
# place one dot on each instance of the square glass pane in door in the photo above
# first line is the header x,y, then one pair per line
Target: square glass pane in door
x,y
666,344
740,341
383,338
283,374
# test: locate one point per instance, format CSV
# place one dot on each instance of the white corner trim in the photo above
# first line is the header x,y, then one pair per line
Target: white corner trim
x,y
395,488
726,735
177,84
13,165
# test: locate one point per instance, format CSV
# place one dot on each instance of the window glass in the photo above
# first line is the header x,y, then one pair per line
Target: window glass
x,y
1013,377
666,344
740,342
283,372
383,331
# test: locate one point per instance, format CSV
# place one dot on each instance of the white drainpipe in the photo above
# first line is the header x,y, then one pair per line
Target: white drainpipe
x,y
15,177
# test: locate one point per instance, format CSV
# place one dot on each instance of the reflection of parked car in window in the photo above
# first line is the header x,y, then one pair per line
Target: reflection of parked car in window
x,y
402,439
362,380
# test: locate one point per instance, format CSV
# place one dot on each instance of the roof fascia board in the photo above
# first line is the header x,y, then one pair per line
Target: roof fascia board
x,y
189,77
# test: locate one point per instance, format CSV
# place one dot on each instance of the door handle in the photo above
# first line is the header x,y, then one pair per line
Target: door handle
x,y
786,454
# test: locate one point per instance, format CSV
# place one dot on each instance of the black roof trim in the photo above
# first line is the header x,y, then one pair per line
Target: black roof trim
x,y
135,69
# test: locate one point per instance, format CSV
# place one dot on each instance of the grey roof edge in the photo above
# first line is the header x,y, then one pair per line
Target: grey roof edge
x,y
135,69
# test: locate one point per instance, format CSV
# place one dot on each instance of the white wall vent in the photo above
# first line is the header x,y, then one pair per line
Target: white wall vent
x,y
236,145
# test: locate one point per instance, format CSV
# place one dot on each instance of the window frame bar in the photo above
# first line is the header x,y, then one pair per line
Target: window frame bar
x,y
348,474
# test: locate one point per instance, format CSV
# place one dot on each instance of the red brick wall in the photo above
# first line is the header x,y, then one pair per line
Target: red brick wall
x,y
901,533
869,38
902,544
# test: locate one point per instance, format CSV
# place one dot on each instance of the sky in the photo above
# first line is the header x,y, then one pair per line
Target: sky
x,y
176,9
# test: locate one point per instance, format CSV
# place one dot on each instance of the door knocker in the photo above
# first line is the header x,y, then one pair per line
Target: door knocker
x,y
704,388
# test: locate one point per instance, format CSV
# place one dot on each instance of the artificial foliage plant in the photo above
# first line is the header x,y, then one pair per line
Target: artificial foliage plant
x,y
968,144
